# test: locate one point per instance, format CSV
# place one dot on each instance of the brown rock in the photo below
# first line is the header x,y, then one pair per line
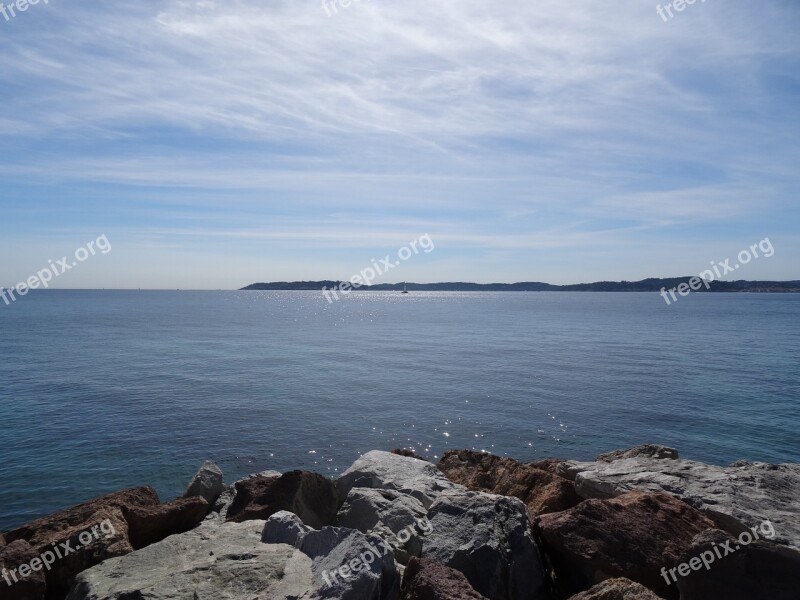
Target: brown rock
x,y
426,579
407,452
547,464
541,491
56,528
13,586
760,570
62,531
2,542
310,496
150,524
617,589
634,535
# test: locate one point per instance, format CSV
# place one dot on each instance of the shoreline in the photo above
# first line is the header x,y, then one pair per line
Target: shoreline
x,y
529,527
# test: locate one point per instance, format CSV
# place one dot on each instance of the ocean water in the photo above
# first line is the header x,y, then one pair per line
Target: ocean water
x,y
101,390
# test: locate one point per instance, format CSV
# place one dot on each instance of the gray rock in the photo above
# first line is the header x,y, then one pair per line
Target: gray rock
x,y
736,498
394,516
284,528
207,483
349,565
643,451
345,564
488,538
228,562
387,471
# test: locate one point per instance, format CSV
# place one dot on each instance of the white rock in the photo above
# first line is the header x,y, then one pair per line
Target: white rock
x,y
284,528
387,471
228,562
737,497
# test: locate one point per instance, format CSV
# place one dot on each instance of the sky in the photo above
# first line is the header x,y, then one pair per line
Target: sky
x,y
217,144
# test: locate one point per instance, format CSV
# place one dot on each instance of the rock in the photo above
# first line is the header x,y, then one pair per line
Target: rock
x,y
643,451
207,483
548,464
488,538
387,471
346,564
2,541
408,452
284,528
633,536
150,524
541,491
219,512
104,529
758,571
617,589
349,565
310,496
428,580
736,497
228,562
394,516
25,585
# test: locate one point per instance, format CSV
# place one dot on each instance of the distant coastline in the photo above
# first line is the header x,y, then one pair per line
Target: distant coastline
x,y
645,285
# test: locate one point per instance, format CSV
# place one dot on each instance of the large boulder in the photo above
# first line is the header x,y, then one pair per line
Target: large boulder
x,y
737,498
394,516
643,451
387,471
488,539
634,536
349,565
22,577
207,483
85,535
617,589
426,579
309,495
720,566
541,491
150,524
346,564
228,562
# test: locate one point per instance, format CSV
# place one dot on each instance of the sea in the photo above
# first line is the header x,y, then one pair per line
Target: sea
x,y
101,390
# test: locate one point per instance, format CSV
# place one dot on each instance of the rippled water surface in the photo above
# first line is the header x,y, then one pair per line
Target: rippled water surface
x,y
100,389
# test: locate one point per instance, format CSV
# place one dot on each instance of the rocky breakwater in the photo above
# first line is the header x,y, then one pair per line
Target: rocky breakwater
x,y
475,526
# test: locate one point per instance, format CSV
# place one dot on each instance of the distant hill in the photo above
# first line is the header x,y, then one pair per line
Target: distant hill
x,y
645,285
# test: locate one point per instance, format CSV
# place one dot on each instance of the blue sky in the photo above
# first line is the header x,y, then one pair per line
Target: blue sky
x,y
220,143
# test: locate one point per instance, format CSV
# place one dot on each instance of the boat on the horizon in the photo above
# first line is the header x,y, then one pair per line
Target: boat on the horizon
x,y
405,290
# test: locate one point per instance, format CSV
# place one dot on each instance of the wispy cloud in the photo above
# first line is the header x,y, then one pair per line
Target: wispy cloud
x,y
504,125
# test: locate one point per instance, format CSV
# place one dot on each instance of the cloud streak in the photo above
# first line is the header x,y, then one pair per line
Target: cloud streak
x,y
572,118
